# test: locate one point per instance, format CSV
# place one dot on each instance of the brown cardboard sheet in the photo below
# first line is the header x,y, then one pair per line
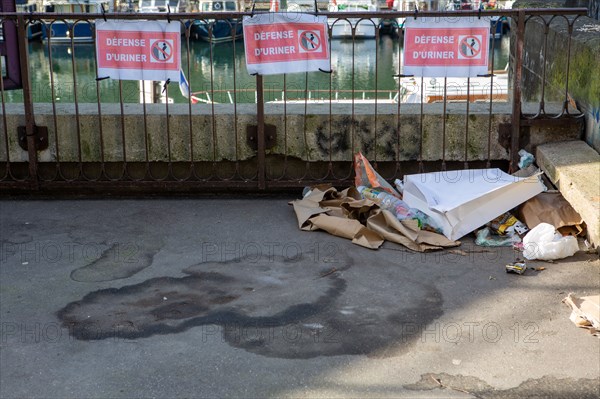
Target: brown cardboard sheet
x,y
345,214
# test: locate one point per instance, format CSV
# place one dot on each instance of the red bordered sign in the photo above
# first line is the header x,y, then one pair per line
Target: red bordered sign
x,y
440,47
136,50
280,43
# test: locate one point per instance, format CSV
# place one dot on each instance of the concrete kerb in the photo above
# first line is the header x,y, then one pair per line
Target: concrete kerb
x,y
574,167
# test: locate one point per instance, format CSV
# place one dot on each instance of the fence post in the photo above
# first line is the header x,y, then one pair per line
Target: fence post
x,y
516,98
27,100
260,130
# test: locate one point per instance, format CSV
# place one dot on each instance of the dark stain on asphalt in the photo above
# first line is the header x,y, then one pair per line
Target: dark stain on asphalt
x,y
286,308
545,387
117,262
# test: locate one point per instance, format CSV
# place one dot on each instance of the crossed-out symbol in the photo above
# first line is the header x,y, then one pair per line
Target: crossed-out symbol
x,y
310,41
161,51
470,47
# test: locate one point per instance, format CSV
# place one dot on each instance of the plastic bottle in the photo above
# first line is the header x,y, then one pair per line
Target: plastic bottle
x,y
369,193
387,201
398,207
399,185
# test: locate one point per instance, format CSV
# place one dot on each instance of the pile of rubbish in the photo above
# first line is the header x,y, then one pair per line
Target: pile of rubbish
x,y
363,220
432,211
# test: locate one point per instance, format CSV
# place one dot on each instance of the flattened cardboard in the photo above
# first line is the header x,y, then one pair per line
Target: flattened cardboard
x,y
348,228
586,312
346,215
407,233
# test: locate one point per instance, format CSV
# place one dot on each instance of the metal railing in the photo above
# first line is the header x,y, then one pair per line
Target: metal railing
x,y
257,132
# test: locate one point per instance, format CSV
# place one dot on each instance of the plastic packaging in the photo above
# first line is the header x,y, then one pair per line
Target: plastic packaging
x,y
526,159
544,243
508,224
385,201
518,267
399,185
306,192
366,175
486,239
398,207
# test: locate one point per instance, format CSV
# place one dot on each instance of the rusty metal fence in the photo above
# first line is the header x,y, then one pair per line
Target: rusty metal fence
x,y
260,133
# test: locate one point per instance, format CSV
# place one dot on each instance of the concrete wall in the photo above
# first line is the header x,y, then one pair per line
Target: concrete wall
x,y
594,7
300,137
584,72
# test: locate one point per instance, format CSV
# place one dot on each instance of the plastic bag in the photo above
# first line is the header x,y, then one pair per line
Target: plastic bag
x,y
526,159
368,177
544,243
486,239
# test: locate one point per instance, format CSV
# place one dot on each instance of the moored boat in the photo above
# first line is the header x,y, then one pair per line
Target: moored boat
x,y
67,30
218,30
301,6
363,28
498,24
148,6
412,5
475,89
35,29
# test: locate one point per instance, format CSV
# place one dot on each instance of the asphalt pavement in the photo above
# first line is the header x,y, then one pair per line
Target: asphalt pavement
x,y
228,298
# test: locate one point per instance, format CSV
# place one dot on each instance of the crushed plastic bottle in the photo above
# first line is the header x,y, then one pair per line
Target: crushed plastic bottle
x,y
399,185
398,207
385,201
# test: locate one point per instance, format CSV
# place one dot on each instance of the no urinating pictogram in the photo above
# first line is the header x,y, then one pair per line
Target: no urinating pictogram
x,y
309,40
469,47
161,51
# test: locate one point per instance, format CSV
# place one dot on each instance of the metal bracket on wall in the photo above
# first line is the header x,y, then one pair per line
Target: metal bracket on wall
x,y
270,136
40,134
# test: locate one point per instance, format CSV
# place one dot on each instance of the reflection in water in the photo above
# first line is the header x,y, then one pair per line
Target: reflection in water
x,y
362,66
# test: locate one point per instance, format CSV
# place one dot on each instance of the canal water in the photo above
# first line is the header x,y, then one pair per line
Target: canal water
x,y
360,68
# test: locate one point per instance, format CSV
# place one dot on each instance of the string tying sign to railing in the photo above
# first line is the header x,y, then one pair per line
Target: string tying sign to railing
x,y
446,47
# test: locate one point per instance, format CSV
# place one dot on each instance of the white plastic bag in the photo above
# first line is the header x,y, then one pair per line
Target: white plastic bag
x,y
544,243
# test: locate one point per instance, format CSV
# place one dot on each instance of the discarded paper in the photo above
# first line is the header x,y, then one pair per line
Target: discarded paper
x,y
551,208
346,214
586,312
463,200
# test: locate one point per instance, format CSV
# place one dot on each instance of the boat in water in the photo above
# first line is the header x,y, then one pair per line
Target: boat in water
x,y
150,6
308,6
67,30
218,30
411,6
363,28
498,24
35,29
165,6
475,89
